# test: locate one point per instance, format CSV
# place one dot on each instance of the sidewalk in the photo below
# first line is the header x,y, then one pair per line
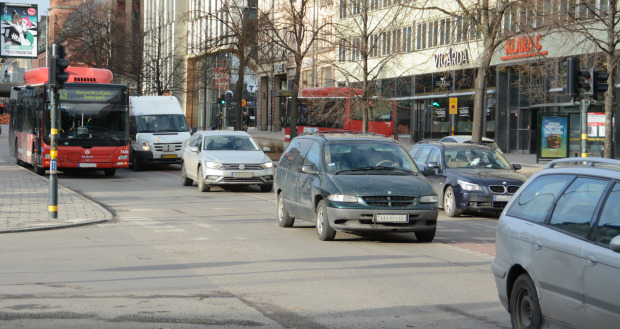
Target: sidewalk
x,y
24,198
527,161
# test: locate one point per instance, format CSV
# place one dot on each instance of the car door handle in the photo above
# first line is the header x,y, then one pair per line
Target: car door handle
x,y
538,244
592,260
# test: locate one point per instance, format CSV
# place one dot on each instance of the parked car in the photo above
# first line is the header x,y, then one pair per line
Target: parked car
x,y
225,158
467,177
353,183
467,139
557,259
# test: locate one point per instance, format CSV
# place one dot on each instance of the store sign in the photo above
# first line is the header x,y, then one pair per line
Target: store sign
x,y
277,68
440,114
452,58
221,78
523,47
596,124
554,141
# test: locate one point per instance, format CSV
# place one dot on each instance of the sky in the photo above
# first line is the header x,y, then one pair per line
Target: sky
x,y
43,5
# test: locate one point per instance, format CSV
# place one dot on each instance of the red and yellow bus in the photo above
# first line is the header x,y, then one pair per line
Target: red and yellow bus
x,y
93,121
327,109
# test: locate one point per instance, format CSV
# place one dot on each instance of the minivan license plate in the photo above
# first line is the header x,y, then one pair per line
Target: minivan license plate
x,y
391,218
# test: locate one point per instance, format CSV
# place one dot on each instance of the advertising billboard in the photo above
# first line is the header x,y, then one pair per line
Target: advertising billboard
x,y
18,25
554,137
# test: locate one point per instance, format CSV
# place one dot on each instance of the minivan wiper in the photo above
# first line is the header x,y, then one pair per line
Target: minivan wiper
x,y
381,168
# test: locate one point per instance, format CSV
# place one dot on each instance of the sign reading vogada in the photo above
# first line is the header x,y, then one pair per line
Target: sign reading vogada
x,y
452,58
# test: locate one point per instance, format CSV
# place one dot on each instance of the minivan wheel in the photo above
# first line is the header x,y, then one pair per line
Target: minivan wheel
x,y
202,186
449,203
284,219
525,310
184,180
323,229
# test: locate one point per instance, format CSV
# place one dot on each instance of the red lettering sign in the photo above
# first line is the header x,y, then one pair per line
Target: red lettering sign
x,y
525,46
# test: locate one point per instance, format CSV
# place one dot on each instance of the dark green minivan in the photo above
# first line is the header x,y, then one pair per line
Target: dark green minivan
x,y
353,183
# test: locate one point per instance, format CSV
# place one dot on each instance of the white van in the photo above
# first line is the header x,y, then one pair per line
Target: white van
x,y
158,130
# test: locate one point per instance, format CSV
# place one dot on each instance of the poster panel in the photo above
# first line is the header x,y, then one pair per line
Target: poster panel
x,y
554,137
18,25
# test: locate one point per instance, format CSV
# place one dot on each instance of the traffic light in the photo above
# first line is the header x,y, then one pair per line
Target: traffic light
x,y
229,95
436,104
58,66
572,66
586,83
61,74
598,82
222,100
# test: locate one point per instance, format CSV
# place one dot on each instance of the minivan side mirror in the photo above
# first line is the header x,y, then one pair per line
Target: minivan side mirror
x,y
309,169
614,244
516,166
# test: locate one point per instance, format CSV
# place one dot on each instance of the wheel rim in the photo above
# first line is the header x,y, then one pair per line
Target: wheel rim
x,y
319,220
525,310
280,209
449,201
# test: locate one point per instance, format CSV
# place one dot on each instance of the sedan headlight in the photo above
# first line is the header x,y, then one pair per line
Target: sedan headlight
x,y
267,165
146,146
429,199
214,165
342,198
467,186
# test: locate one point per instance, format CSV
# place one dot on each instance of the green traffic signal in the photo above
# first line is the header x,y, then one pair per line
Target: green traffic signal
x,y
436,104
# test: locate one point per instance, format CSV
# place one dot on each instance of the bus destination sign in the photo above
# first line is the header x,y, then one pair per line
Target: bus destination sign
x,y
88,95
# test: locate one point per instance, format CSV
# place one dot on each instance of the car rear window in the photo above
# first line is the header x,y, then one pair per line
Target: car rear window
x,y
534,202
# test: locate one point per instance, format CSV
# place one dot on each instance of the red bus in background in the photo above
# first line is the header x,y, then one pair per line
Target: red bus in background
x,y
327,109
93,120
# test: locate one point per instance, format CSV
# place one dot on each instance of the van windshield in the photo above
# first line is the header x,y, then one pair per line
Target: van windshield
x,y
161,123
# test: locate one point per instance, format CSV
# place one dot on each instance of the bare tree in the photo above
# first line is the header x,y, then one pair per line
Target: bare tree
x,y
599,23
294,31
233,30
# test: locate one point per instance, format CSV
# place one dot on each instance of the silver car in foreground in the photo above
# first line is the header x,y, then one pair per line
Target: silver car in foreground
x,y
225,158
557,262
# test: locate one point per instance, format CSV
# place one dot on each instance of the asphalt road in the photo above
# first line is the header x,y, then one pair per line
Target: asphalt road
x,y
177,258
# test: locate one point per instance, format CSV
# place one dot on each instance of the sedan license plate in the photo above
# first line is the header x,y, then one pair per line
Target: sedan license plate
x,y
391,218
502,198
242,174
169,156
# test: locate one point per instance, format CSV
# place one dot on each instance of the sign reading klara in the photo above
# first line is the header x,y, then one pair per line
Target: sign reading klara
x,y
524,46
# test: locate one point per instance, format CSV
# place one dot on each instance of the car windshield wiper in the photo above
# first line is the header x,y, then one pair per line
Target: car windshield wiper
x,y
380,168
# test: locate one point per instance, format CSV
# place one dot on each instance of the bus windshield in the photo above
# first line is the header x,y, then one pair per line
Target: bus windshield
x,y
91,121
160,123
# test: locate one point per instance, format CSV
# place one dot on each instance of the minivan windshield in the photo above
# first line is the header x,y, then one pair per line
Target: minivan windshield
x,y
161,123
367,155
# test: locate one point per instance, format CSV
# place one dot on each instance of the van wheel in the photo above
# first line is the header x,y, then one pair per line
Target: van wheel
x,y
426,236
323,229
525,310
136,165
202,186
184,180
284,219
266,188
449,203
109,172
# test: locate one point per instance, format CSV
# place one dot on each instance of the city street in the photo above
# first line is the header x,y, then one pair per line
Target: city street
x,y
173,257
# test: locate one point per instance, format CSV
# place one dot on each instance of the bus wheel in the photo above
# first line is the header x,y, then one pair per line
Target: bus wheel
x,y
17,160
36,167
109,172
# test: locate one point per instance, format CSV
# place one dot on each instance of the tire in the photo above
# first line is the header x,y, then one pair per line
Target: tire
x,y
323,229
109,172
266,188
449,203
136,165
184,180
17,160
202,187
425,236
35,165
284,219
525,310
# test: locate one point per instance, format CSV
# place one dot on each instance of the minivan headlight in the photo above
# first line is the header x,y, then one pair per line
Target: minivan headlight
x,y
429,199
342,198
467,186
214,165
146,146
267,165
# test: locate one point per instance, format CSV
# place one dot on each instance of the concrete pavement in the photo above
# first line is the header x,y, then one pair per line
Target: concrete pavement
x,y
24,196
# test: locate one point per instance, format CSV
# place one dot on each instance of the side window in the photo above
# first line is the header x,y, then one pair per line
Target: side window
x,y
304,147
574,210
314,154
435,156
534,202
420,158
192,142
609,223
292,151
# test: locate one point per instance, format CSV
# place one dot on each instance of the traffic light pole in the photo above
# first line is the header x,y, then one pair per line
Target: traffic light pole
x,y
56,79
584,128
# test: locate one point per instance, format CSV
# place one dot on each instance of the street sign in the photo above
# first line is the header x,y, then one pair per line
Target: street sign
x,y
243,103
453,105
229,92
252,88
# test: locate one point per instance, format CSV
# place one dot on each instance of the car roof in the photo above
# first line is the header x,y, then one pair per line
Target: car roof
x,y
455,146
346,136
223,133
467,138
